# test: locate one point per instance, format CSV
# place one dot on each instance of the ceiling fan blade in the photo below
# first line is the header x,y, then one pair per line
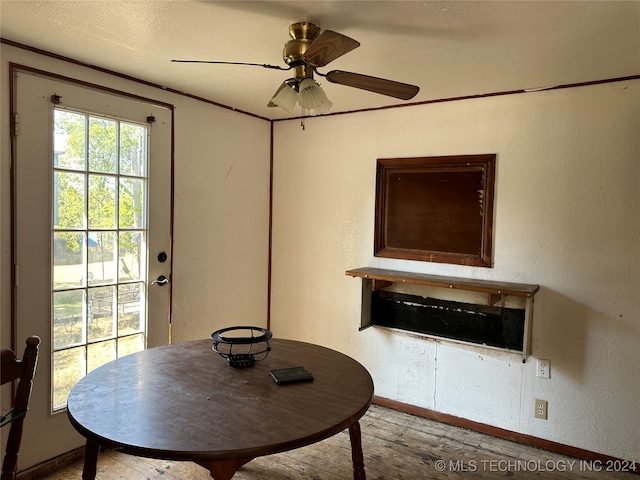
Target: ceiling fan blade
x,y
327,47
264,65
390,88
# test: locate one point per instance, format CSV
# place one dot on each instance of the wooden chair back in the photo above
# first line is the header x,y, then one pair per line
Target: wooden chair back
x,y
22,371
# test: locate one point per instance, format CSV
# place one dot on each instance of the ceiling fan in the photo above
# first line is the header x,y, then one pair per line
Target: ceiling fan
x,y
309,50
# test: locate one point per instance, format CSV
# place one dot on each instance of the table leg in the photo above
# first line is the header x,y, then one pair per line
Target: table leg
x,y
91,451
223,469
356,452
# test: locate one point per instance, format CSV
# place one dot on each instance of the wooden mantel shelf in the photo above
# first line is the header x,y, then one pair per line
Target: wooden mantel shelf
x,y
383,278
375,279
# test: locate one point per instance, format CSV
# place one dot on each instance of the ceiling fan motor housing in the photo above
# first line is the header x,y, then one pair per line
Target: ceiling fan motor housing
x,y
303,34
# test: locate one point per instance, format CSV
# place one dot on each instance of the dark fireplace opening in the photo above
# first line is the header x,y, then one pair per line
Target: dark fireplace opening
x,y
494,326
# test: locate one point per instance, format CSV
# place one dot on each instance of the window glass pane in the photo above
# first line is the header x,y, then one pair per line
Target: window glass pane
x,y
131,308
99,252
102,201
131,261
68,367
69,140
130,344
102,258
100,353
131,203
68,318
69,200
68,259
102,145
133,154
100,316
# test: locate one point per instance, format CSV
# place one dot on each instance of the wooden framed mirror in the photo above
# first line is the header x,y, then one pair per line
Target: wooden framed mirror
x,y
435,209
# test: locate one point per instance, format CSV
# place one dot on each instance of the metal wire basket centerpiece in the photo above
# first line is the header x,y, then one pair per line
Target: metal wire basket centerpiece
x,y
240,350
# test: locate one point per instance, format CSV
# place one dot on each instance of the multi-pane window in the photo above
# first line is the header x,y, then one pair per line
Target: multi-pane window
x,y
98,241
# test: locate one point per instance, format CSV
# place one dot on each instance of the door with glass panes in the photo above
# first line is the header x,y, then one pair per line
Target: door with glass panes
x,y
92,240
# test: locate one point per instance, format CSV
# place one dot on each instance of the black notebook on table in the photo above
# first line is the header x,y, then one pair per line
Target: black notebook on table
x,y
283,376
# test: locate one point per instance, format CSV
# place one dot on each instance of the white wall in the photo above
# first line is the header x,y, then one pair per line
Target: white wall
x,y
221,221
566,218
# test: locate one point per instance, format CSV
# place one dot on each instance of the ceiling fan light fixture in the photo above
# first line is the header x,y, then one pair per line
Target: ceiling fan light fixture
x,y
286,98
312,97
323,108
309,49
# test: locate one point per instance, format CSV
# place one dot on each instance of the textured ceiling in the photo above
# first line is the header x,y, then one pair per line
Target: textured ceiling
x,y
449,49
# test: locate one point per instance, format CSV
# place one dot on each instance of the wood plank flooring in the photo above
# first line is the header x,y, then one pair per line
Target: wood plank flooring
x,y
396,446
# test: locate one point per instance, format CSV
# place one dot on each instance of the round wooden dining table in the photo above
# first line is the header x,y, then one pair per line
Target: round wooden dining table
x,y
183,402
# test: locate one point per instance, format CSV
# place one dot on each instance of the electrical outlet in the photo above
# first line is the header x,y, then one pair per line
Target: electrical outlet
x,y
541,409
543,368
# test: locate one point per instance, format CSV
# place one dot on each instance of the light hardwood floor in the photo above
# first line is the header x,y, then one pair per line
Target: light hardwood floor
x,y
396,446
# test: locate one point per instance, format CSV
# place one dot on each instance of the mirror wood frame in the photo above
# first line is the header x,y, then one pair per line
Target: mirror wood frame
x,y
436,209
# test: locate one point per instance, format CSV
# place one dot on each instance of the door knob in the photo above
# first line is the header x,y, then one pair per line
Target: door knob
x,y
162,280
